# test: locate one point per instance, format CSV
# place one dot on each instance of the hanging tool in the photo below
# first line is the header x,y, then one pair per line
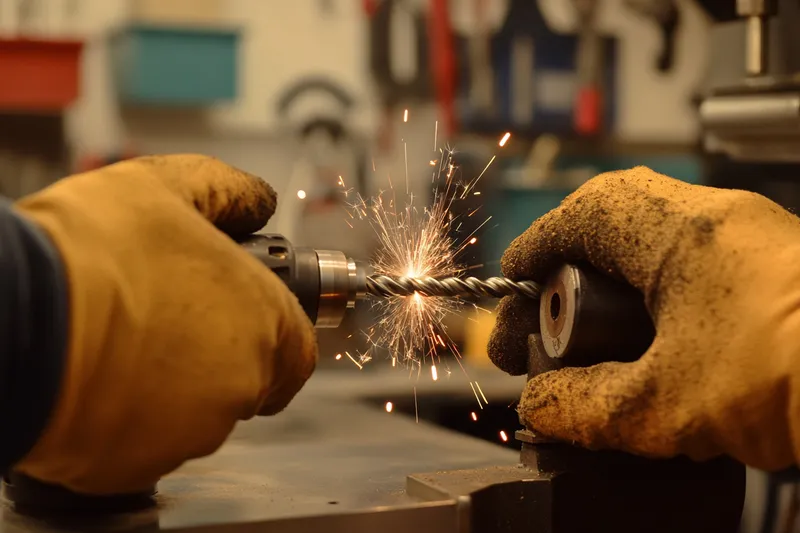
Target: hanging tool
x,y
481,73
666,15
391,89
443,63
757,14
329,149
524,52
589,65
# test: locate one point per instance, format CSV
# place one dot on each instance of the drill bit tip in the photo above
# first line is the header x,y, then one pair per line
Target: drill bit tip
x,y
387,286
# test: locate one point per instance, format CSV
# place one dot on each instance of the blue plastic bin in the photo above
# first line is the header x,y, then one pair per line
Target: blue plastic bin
x,y
162,65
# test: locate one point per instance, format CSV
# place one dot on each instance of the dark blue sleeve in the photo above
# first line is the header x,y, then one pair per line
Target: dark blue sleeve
x,y
33,333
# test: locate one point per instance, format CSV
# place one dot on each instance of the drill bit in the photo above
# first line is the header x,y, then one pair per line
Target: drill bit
x,y
387,286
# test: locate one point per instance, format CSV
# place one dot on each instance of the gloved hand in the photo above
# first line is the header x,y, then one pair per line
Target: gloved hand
x,y
176,333
720,273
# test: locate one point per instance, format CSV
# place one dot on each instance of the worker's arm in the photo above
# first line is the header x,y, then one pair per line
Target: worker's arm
x,y
720,273
174,333
33,332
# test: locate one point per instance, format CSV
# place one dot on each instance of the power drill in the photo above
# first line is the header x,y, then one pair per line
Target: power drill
x,y
327,282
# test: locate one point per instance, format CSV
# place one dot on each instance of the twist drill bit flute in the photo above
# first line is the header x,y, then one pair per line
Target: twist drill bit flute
x,y
386,286
327,282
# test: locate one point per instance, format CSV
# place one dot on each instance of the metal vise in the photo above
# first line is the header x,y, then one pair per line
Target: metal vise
x,y
560,488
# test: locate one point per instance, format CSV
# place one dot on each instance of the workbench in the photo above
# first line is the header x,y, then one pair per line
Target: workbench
x,y
334,460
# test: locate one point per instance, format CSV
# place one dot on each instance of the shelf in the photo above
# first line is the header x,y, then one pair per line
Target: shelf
x,y
39,75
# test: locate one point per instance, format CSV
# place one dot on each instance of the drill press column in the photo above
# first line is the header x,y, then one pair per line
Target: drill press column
x,y
757,13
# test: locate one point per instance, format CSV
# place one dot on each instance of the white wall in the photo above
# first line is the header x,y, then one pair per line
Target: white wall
x,y
93,122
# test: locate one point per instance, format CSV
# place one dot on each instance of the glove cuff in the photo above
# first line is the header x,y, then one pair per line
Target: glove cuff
x,y
33,333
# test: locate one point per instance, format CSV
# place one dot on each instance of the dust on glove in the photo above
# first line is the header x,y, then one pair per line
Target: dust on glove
x,y
175,333
720,273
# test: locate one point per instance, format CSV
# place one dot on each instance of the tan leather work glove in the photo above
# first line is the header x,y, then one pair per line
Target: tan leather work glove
x,y
720,272
176,333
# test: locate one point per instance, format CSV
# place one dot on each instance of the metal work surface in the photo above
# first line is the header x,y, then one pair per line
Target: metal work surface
x,y
331,460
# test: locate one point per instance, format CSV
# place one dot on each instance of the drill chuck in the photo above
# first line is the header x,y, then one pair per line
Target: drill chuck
x,y
326,282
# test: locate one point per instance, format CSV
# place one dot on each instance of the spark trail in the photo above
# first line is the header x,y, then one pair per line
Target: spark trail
x,y
417,241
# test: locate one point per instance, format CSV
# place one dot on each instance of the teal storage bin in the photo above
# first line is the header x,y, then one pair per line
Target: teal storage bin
x,y
181,66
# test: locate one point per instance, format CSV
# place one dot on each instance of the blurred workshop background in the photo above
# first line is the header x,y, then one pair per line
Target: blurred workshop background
x,y
310,92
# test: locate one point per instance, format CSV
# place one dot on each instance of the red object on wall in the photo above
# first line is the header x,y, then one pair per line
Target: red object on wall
x,y
443,62
588,111
39,75
370,6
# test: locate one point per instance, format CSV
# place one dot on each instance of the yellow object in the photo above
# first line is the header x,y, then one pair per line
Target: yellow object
x,y
478,328
176,332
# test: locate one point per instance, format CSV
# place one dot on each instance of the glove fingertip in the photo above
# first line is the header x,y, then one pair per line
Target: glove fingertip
x,y
517,318
295,359
533,254
251,205
578,404
550,406
236,202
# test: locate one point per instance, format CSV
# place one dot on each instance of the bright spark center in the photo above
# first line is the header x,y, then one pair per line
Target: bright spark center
x,y
417,241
